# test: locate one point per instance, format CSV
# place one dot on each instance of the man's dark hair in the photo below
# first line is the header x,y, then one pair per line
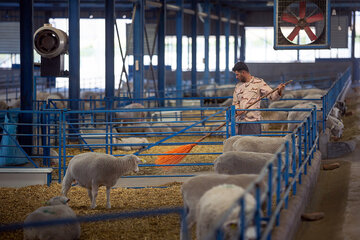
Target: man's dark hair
x,y
239,66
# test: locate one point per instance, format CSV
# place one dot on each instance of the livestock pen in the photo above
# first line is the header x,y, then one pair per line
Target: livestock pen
x,y
57,125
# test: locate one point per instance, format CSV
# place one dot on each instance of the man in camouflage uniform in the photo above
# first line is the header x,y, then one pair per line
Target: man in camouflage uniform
x,y
246,92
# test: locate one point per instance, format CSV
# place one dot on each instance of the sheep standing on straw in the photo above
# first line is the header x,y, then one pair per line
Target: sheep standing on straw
x,y
92,170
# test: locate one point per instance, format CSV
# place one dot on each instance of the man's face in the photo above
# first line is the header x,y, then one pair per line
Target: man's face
x,y
240,75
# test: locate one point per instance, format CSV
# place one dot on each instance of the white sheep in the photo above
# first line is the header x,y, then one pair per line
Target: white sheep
x,y
195,187
335,125
212,207
235,162
274,116
98,136
285,103
92,170
254,143
57,209
131,140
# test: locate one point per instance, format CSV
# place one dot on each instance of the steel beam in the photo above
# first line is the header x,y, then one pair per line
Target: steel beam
x,y
161,54
109,52
242,44
193,48
206,39
139,49
227,46
26,73
74,53
217,53
179,33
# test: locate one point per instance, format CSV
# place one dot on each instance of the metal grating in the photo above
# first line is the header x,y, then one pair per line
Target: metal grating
x,y
9,37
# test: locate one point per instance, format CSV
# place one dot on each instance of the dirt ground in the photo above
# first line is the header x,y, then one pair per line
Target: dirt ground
x,y
336,192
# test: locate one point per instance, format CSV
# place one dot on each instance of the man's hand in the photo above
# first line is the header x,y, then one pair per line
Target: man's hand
x,y
280,88
239,113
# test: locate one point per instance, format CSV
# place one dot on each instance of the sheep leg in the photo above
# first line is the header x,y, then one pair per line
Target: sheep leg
x,y
89,194
66,184
94,191
108,205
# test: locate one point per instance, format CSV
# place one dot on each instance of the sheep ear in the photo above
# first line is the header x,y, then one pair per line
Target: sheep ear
x,y
231,225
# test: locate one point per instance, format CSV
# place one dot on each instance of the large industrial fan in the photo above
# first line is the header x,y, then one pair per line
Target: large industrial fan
x,y
301,24
51,44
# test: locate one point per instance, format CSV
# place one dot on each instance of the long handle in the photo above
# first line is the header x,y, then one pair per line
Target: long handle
x,y
223,124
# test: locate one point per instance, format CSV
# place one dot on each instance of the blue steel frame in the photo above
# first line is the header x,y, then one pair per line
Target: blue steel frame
x,y
206,39
217,53
26,72
179,32
308,46
193,47
139,49
227,45
161,53
109,51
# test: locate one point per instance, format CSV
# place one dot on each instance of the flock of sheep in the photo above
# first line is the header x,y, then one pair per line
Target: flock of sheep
x,y
206,197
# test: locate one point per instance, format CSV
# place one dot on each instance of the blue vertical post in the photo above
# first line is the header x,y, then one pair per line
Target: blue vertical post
x,y
26,72
227,45
74,53
355,63
217,54
179,32
193,47
161,53
236,38
206,39
74,61
109,52
139,49
242,43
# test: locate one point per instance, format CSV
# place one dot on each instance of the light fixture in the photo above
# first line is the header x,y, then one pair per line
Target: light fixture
x,y
333,12
91,16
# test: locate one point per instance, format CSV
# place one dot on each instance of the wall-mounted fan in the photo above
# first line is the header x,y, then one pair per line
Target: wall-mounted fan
x,y
301,24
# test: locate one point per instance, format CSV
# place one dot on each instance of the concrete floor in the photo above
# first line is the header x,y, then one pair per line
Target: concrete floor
x,y
337,194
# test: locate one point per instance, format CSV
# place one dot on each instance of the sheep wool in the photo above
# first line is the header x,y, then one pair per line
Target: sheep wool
x,y
195,187
212,207
92,170
58,209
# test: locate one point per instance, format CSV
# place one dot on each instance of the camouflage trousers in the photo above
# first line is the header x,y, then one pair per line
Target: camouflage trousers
x,y
249,128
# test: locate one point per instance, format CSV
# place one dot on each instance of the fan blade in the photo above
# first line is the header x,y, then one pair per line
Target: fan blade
x,y
315,18
288,18
310,34
302,9
294,33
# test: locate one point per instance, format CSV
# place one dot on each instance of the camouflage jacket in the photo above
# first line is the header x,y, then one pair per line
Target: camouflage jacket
x,y
247,93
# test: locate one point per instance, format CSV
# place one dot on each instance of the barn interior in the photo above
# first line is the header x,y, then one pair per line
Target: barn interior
x,y
155,79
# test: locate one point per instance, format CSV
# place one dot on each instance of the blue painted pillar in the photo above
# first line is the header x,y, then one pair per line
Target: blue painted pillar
x,y
193,48
139,49
242,44
206,39
236,38
236,45
74,53
109,52
26,72
179,32
74,62
161,53
355,66
217,29
227,45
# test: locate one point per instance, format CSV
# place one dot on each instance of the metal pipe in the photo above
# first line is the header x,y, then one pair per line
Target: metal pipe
x,y
109,52
26,73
